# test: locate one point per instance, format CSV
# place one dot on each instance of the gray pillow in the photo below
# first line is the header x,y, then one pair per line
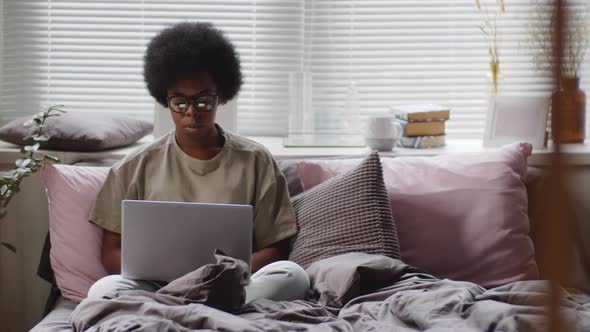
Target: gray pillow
x,y
289,169
339,279
80,131
348,213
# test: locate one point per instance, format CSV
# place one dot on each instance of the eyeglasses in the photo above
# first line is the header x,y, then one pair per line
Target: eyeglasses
x,y
205,102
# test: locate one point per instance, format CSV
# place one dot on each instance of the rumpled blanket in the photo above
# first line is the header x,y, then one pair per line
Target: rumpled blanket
x,y
352,292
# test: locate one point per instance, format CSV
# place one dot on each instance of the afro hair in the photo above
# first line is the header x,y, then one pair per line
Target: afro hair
x,y
185,49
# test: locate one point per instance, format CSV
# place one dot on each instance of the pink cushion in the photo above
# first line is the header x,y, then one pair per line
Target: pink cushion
x,y
458,216
75,242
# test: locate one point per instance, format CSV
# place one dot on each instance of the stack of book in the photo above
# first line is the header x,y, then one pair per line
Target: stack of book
x,y
423,124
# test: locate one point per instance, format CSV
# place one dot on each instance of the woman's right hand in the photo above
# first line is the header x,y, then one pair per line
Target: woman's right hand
x,y
111,252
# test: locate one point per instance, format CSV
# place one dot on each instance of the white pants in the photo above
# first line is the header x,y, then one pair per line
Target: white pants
x,y
278,281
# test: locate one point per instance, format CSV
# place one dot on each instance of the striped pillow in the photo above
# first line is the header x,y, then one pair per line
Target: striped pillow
x,y
348,213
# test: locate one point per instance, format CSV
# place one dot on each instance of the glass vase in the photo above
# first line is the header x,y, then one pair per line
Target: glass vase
x,y
494,81
494,78
568,112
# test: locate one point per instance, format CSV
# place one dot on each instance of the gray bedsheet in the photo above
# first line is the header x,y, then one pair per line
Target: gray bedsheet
x,y
58,319
353,292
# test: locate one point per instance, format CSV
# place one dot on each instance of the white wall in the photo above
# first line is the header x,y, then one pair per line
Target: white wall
x,y
22,293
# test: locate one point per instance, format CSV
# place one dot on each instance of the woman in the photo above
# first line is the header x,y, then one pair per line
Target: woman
x,y
191,68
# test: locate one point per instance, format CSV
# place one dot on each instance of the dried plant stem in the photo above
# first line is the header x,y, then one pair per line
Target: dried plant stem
x,y
495,70
576,36
493,38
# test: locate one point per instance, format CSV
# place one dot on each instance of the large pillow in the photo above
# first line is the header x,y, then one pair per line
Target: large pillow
x,y
80,131
458,216
75,242
349,213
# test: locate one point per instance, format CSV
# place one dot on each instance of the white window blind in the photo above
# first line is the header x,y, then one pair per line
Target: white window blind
x,y
87,55
418,51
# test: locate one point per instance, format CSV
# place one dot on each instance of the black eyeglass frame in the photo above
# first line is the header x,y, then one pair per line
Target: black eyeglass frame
x,y
194,100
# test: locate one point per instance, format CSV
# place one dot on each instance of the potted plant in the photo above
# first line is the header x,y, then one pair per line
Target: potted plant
x,y
569,98
28,164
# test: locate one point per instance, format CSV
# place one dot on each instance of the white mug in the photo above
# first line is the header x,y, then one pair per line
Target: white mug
x,y
382,132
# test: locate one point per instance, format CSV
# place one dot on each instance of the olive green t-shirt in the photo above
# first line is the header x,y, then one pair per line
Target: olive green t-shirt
x,y
243,172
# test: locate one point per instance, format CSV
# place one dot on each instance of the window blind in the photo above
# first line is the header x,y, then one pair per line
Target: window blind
x,y
87,55
418,51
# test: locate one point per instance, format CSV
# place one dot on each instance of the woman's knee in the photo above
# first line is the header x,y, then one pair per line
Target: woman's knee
x,y
278,281
297,273
115,283
295,276
105,285
300,279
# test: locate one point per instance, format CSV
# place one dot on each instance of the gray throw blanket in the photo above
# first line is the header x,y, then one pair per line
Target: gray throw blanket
x,y
352,292
219,285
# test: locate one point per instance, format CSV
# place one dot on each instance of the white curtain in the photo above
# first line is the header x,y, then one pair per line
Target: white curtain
x,y
87,55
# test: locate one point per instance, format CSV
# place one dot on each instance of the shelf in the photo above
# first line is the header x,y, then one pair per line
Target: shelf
x,y
577,154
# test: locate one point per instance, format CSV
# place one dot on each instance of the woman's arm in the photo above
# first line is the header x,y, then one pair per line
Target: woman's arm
x,y
275,252
111,252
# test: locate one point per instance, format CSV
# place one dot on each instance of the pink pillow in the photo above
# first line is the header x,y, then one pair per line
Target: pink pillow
x,y
458,216
75,242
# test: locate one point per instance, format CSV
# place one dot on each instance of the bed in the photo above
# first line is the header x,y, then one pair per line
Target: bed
x,y
363,291
383,294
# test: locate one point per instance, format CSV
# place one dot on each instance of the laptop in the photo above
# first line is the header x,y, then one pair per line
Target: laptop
x,y
162,240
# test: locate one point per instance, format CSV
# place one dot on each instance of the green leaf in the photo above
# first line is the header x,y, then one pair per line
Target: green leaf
x,y
6,176
22,162
52,158
35,166
41,138
23,171
9,246
56,108
32,148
